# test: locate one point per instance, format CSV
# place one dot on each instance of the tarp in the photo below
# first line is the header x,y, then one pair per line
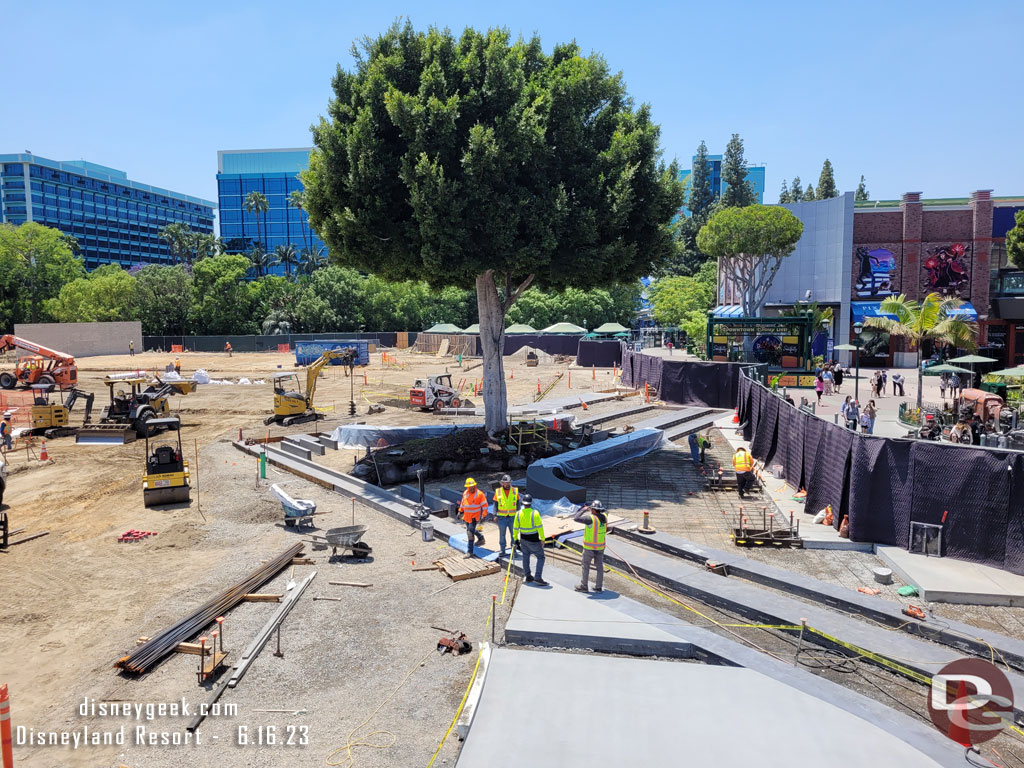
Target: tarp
x,y
687,382
363,435
594,458
602,354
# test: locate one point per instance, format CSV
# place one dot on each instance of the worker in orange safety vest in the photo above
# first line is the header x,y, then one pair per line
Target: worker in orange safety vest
x,y
743,463
474,510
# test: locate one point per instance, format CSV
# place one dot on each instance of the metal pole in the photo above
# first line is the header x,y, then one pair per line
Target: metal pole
x,y
856,375
494,599
800,642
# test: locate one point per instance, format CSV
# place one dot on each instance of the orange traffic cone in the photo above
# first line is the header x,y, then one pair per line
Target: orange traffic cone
x,y
593,372
538,386
512,375
735,415
570,379
43,455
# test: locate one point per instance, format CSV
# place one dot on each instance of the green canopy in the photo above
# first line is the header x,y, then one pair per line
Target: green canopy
x,y
520,328
611,328
444,328
564,328
938,370
971,359
474,328
1017,372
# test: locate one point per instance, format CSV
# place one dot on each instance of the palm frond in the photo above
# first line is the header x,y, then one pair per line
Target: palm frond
x,y
899,306
890,326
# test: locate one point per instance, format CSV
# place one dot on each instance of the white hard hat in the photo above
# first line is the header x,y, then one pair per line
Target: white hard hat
x,y
7,414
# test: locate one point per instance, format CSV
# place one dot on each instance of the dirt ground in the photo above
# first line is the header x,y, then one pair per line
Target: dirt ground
x,y
76,600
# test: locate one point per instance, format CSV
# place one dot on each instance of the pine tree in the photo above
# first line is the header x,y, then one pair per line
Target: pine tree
x,y
809,193
796,192
827,182
738,192
862,191
701,197
784,195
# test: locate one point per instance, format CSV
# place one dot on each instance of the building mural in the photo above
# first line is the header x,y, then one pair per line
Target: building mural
x,y
944,270
876,276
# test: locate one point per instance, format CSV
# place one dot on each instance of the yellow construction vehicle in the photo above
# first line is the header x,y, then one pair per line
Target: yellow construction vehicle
x,y
166,478
53,419
293,403
134,402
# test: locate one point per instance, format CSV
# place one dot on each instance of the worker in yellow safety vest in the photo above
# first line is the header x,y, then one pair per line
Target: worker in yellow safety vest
x,y
594,517
743,463
528,530
506,504
474,510
177,365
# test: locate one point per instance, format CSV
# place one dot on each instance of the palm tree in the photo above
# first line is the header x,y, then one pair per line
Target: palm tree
x,y
928,319
287,255
180,239
260,259
208,245
311,260
277,323
297,200
256,202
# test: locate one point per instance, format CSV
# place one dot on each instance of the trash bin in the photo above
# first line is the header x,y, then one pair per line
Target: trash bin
x,y
428,531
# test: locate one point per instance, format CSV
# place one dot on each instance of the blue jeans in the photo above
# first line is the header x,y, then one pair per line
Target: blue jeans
x,y
534,549
7,440
695,454
473,533
505,523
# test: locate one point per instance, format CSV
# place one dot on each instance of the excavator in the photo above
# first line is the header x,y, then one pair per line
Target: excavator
x,y
45,366
293,404
53,419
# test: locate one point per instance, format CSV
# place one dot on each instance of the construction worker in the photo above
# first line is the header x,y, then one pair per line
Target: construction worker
x,y
5,431
131,348
474,509
177,366
743,463
506,504
595,519
227,347
528,530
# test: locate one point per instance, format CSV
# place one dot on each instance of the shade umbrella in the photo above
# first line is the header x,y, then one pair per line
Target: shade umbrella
x,y
474,328
938,370
519,328
611,328
1017,372
564,328
972,359
443,328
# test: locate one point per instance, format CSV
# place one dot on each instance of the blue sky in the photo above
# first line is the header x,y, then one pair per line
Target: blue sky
x,y
917,96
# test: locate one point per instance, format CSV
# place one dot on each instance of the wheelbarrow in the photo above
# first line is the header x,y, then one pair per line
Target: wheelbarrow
x,y
347,539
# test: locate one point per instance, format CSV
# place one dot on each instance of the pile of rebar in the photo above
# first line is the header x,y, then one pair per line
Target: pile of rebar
x,y
160,645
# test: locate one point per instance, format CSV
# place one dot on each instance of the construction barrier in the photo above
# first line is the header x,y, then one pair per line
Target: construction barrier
x,y
271,343
687,382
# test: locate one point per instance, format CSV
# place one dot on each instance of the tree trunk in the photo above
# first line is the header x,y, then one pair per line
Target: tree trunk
x,y
492,339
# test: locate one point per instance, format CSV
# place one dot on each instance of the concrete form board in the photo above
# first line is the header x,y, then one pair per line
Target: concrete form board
x,y
769,608
694,425
601,418
314,445
949,632
672,418
295,449
679,714
328,442
946,580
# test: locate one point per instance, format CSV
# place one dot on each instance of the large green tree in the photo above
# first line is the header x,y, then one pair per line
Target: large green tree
x,y
165,298
331,300
104,295
701,196
784,194
927,319
827,182
1015,241
288,256
35,263
796,191
750,244
862,191
737,191
222,300
685,301
810,194
484,161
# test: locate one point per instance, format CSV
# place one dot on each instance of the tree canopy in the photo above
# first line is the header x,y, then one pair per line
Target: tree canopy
x,y
482,160
1015,241
827,182
862,191
737,192
685,301
35,263
750,244
701,196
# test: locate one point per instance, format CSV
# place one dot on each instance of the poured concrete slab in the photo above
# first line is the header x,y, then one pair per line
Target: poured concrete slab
x,y
559,617
945,580
677,713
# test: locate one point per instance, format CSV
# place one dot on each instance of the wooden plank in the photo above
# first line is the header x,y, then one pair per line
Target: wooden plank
x,y
256,597
459,568
349,584
210,665
426,568
192,648
303,561
27,538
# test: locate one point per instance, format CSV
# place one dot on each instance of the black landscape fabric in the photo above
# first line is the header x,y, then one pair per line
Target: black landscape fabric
x,y
602,354
687,382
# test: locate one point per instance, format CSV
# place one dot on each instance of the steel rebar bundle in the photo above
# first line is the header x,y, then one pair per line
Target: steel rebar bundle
x,y
149,653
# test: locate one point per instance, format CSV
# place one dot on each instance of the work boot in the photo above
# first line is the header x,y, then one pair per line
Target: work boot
x,y
541,583
529,579
598,589
581,588
468,555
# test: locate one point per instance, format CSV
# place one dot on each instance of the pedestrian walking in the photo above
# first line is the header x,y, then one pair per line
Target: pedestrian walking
x,y
885,380
743,463
595,519
819,386
669,345
943,383
131,348
897,381
868,417
955,386
528,530
844,408
828,377
227,347
506,504
177,366
474,509
853,415
838,375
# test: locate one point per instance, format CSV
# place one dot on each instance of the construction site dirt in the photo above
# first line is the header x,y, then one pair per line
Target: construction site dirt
x,y
77,600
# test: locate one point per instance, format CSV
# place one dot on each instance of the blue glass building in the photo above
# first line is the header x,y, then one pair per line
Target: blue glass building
x,y
274,172
115,220
755,178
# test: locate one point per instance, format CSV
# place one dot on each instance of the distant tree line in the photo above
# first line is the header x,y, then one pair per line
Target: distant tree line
x,y
794,192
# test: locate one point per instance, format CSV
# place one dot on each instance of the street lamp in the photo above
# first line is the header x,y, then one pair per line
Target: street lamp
x,y
857,328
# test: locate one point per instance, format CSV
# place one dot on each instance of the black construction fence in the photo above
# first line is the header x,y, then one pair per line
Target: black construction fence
x,y
260,343
884,484
682,381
